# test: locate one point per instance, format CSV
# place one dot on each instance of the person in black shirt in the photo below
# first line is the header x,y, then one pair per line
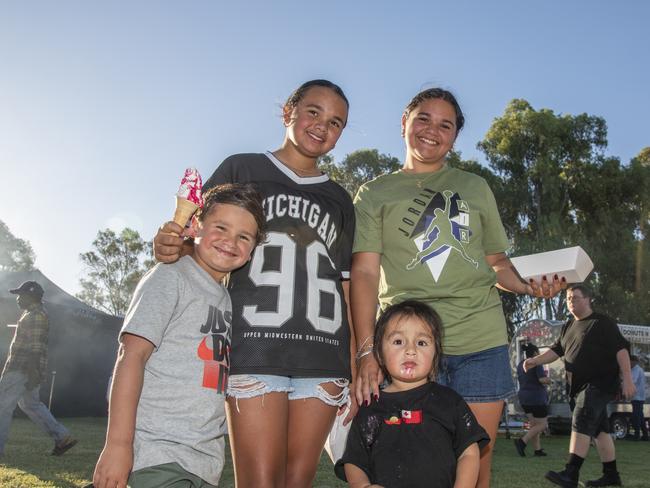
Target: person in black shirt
x,y
595,356
417,433
533,400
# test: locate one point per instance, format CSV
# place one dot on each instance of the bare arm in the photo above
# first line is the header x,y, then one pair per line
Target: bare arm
x,y
508,279
116,460
354,406
467,467
357,478
364,290
623,360
547,357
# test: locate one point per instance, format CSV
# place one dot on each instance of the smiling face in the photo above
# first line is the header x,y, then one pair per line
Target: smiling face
x,y
429,133
316,122
224,239
408,352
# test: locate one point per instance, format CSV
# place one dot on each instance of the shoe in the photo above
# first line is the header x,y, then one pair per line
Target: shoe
x,y
62,447
521,447
540,452
606,480
561,478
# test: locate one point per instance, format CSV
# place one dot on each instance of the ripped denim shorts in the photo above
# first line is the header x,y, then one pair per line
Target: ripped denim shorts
x,y
249,386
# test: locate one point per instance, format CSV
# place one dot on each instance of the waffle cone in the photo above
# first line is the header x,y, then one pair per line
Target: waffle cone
x,y
184,210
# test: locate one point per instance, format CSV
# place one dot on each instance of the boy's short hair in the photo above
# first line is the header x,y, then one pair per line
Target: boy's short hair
x,y
243,195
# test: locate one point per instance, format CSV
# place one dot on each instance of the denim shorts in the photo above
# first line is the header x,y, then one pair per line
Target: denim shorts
x,y
479,377
252,385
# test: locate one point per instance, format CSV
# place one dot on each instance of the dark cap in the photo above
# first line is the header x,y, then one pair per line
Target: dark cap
x,y
29,288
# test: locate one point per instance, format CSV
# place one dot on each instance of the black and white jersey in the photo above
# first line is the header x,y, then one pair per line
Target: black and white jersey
x,y
289,314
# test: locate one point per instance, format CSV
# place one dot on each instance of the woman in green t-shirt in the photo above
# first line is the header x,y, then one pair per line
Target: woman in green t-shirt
x,y
433,233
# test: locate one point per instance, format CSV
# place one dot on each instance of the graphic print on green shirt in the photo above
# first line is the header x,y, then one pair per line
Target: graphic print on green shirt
x,y
446,225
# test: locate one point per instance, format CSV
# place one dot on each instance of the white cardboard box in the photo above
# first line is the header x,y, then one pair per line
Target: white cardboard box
x,y
572,263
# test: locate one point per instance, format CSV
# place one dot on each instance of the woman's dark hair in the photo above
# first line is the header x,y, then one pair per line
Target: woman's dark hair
x,y
530,349
407,309
241,195
434,93
299,93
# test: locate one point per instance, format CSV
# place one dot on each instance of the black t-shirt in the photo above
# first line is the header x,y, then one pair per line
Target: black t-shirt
x,y
589,347
412,439
289,313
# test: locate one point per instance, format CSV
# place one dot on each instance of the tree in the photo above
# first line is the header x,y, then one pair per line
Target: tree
x,y
15,254
114,268
640,174
557,189
358,167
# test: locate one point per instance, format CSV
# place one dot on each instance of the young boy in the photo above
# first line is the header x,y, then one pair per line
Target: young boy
x,y
166,414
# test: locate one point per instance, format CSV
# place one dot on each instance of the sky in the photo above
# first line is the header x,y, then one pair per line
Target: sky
x,y
104,104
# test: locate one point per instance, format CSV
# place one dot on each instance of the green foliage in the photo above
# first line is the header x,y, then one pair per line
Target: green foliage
x,y
358,167
114,268
15,254
556,189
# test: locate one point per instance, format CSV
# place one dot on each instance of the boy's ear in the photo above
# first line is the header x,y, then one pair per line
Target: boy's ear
x,y
193,229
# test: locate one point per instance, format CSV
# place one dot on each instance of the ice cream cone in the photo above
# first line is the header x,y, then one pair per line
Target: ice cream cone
x,y
184,211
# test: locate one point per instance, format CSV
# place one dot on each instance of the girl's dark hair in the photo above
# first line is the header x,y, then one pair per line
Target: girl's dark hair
x,y
407,309
299,93
530,349
433,93
242,195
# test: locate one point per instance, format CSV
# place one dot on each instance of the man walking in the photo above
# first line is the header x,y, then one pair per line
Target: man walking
x,y
595,356
25,370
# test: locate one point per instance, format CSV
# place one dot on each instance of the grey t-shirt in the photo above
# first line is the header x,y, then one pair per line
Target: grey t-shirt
x,y
186,314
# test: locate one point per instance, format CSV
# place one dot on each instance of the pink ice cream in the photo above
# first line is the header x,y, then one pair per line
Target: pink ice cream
x,y
191,186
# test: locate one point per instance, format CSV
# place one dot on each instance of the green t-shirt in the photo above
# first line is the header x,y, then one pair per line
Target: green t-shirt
x,y
433,232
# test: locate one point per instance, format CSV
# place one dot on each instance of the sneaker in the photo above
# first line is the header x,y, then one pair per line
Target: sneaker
x,y
540,452
561,478
606,480
62,447
521,447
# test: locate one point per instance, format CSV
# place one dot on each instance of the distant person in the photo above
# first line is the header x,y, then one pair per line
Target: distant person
x,y
26,369
417,433
167,417
638,420
533,399
597,365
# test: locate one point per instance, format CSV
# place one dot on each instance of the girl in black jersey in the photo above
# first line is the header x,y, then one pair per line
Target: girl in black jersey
x,y
290,361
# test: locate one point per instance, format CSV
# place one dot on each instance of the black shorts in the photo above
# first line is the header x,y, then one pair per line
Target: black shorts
x,y
537,411
590,411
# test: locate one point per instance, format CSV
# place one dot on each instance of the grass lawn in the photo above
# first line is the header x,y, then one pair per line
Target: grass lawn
x,y
27,461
